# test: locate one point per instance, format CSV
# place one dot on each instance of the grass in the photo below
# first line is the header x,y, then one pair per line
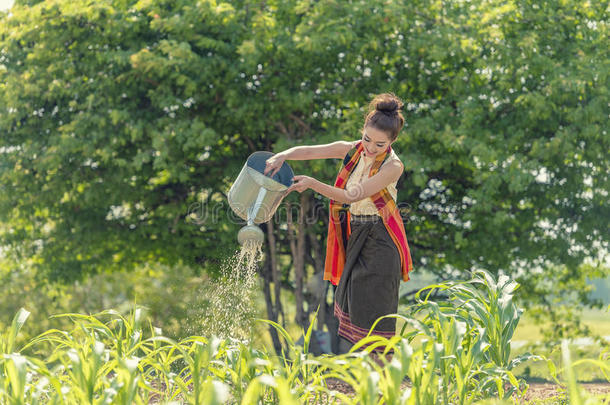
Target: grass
x,y
529,338
598,320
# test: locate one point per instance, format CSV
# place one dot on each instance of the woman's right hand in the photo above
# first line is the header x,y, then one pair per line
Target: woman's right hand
x,y
274,164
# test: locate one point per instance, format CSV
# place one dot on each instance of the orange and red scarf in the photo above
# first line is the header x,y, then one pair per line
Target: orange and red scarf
x,y
339,220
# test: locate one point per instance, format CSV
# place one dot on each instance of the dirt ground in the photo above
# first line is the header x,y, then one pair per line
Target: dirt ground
x,y
536,391
548,390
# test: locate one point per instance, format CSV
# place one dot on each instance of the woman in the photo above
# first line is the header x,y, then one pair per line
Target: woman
x,y
367,251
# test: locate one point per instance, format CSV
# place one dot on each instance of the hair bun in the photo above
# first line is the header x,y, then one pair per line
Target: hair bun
x,y
388,105
384,114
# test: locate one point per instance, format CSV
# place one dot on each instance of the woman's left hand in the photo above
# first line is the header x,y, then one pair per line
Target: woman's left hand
x,y
301,183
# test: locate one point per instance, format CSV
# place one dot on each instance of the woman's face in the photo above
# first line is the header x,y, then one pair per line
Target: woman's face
x,y
374,141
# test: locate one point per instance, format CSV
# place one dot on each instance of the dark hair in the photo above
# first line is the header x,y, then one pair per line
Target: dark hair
x,y
384,114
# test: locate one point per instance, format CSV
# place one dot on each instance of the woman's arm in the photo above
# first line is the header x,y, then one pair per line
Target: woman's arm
x,y
336,150
388,174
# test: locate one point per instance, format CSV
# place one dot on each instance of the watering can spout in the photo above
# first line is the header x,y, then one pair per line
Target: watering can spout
x,y
254,197
252,233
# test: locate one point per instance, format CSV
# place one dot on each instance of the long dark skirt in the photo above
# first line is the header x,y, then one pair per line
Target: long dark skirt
x,y
369,284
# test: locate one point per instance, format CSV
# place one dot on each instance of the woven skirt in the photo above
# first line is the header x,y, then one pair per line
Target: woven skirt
x,y
368,288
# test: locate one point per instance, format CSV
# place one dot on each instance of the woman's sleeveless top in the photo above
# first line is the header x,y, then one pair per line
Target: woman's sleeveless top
x,y
361,173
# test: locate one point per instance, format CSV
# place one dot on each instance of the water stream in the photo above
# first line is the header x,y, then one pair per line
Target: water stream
x,y
229,308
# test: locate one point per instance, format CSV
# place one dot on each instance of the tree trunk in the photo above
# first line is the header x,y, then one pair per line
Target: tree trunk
x,y
275,275
271,314
318,290
300,271
273,301
297,239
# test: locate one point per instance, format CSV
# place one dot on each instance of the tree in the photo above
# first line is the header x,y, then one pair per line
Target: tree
x,y
109,132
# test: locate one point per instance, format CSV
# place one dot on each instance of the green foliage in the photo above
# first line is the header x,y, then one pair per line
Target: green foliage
x,y
505,119
114,134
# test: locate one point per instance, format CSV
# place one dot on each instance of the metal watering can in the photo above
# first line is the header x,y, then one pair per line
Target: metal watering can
x,y
254,197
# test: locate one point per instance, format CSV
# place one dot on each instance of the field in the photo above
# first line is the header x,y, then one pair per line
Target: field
x,y
458,351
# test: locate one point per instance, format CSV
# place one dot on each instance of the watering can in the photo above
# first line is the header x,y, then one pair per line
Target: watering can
x,y
254,196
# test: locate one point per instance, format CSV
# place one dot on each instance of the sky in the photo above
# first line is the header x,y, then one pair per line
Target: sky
x,y
6,4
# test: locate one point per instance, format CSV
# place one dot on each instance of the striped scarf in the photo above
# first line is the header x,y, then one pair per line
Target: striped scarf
x,y
339,220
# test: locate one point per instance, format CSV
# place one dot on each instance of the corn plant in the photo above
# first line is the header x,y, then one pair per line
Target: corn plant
x,y
13,370
395,371
90,362
9,337
23,380
298,368
475,326
239,366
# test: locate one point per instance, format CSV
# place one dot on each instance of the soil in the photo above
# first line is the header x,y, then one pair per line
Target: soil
x,y
536,390
548,390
